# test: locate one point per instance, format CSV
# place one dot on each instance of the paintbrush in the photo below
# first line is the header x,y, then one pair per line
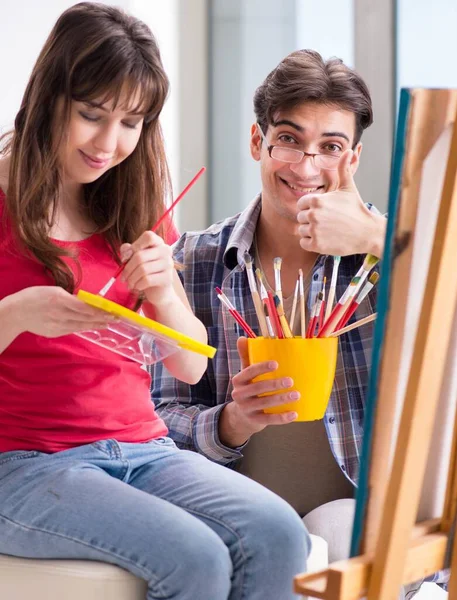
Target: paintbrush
x,y
302,304
356,301
345,300
320,316
277,262
358,323
264,298
235,314
255,296
282,317
274,316
314,315
331,294
294,305
105,289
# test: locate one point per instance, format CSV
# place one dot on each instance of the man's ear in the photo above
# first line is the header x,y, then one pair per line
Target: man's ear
x,y
355,161
255,143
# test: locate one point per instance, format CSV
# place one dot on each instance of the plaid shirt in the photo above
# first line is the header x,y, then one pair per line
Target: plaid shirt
x,y
215,258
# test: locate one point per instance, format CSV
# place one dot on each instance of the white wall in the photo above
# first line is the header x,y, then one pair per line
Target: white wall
x,y
327,27
162,18
24,27
180,27
427,43
248,39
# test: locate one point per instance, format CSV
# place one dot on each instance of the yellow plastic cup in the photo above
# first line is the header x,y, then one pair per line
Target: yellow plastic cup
x,y
310,362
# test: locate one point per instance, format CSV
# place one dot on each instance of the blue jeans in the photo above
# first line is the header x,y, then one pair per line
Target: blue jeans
x,y
192,529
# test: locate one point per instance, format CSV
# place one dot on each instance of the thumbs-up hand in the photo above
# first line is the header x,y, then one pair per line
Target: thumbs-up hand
x,y
338,222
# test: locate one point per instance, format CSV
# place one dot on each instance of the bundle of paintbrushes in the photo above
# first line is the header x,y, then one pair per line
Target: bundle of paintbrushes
x,y
325,320
351,299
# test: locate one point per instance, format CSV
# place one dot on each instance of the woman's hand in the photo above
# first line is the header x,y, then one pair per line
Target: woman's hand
x,y
51,311
150,268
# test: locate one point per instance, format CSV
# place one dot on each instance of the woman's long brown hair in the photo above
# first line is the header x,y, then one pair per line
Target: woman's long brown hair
x,y
94,52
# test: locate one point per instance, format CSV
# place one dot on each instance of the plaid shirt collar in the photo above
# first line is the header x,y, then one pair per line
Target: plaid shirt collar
x,y
242,236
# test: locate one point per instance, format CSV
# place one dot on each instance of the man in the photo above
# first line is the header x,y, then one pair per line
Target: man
x,y
304,214
310,116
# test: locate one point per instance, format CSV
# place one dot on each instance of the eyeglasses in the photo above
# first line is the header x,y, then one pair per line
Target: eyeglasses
x,y
289,155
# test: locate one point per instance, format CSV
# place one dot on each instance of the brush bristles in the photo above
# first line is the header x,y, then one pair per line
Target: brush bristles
x,y
370,261
247,260
279,306
260,276
277,262
373,279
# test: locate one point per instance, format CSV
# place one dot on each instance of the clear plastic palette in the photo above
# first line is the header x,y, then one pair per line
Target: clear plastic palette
x,y
132,335
132,341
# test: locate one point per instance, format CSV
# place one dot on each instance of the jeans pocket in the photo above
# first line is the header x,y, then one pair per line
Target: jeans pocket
x,y
164,441
6,457
102,446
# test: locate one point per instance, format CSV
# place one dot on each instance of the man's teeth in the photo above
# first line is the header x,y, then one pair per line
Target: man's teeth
x,y
302,190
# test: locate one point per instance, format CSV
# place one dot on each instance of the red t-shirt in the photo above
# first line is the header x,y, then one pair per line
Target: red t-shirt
x,y
64,392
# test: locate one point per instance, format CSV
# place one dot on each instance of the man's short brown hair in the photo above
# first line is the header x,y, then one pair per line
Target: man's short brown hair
x,y
304,76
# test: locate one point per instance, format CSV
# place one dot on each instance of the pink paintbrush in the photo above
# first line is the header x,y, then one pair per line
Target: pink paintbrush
x,y
105,289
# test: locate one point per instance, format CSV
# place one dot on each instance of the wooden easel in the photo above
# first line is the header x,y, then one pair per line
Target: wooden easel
x,y
394,549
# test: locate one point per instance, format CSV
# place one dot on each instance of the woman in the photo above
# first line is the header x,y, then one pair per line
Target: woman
x,y
86,469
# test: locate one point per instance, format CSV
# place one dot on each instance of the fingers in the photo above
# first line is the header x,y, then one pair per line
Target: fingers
x,y
154,275
253,398
76,326
84,311
307,243
303,203
132,253
277,418
261,394
63,300
253,390
305,231
53,312
311,207
345,175
261,403
148,239
97,317
253,406
145,263
126,252
151,280
246,375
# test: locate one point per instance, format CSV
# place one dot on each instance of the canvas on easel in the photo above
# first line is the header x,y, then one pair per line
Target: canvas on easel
x,y
411,397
